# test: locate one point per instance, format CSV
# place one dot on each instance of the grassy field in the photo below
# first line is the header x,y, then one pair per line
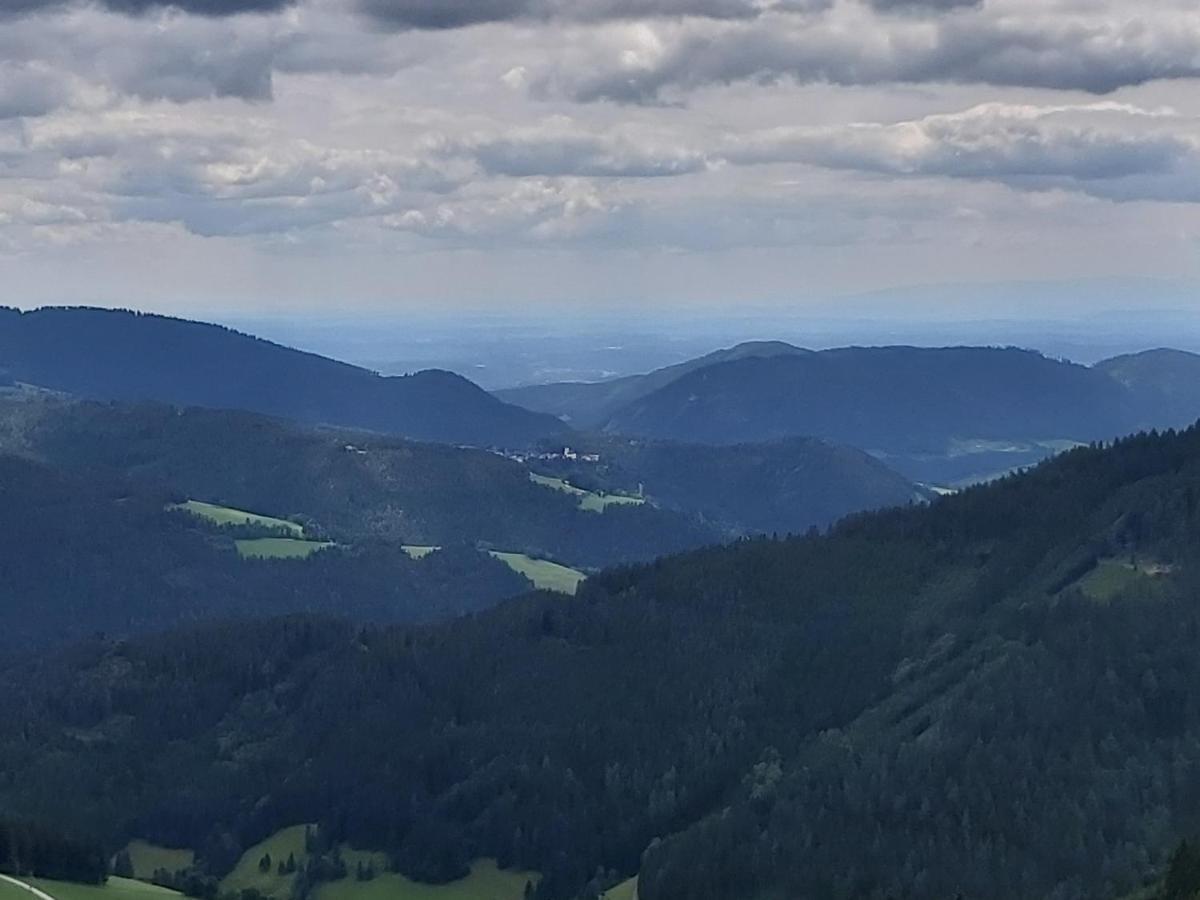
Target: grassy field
x,y
486,882
114,889
246,874
626,890
225,515
588,500
148,858
417,551
1114,577
545,575
279,548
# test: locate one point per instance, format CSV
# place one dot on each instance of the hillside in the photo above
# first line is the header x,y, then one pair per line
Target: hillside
x,y
95,554
927,701
1165,381
116,355
589,405
361,487
936,415
779,487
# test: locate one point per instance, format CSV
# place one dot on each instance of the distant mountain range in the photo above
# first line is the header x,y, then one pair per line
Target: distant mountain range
x,y
950,414
116,355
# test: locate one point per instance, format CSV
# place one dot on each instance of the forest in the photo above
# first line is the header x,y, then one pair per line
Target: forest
x,y
927,701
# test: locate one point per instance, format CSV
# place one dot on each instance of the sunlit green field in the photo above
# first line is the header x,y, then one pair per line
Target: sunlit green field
x,y
114,889
626,890
279,548
226,515
417,551
1113,577
148,858
247,875
588,500
486,882
545,575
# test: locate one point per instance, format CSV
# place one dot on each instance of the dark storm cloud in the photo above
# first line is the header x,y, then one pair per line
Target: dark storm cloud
x,y
210,8
449,14
1097,56
922,6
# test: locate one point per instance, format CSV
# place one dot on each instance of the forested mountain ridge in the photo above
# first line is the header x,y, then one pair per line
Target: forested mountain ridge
x,y
948,415
365,486
588,405
988,695
117,355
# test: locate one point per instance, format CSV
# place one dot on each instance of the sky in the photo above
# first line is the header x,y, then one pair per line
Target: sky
x,y
563,156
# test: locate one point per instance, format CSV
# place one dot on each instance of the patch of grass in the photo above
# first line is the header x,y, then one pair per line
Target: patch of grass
x,y
417,551
114,889
1114,577
246,873
227,515
486,882
626,890
148,858
588,500
601,502
545,575
279,548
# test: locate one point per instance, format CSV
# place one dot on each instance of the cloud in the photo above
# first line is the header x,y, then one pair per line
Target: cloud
x,y
210,8
1055,46
560,148
450,14
1106,150
29,90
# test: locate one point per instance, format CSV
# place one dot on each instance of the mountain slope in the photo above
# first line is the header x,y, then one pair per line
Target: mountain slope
x,y
589,405
935,414
780,487
116,355
357,487
926,701
87,554
1166,383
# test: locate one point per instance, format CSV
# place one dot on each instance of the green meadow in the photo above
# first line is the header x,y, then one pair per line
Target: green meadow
x,y
279,548
545,575
626,890
114,889
227,515
149,858
588,500
1114,577
485,882
417,551
246,873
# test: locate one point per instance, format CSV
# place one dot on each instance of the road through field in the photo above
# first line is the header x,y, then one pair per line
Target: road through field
x,y
40,894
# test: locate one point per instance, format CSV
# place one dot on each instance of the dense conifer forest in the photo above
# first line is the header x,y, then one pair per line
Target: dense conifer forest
x,y
987,696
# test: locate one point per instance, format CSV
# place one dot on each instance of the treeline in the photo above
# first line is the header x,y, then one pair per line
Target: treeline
x,y
916,704
31,850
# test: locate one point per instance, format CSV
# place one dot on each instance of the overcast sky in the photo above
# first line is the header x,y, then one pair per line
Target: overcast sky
x,y
265,155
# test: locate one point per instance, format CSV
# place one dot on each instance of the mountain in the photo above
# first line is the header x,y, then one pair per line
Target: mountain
x,y
990,695
88,554
948,415
372,487
1164,381
778,487
117,355
589,405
